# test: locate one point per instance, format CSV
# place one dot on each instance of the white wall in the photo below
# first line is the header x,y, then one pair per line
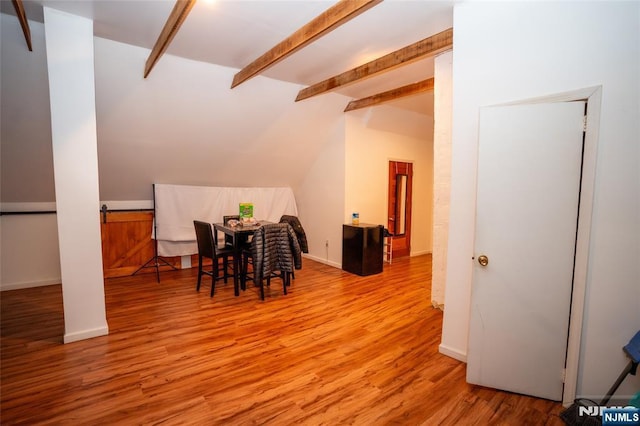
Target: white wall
x,y
374,136
320,199
26,174
29,253
183,124
511,51
443,97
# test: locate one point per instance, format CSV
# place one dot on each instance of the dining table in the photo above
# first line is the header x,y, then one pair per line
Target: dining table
x,y
240,234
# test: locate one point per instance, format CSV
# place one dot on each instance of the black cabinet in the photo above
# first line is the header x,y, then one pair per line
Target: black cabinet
x,y
362,248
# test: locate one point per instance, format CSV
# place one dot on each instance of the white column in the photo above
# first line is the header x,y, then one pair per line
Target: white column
x,y
69,45
443,93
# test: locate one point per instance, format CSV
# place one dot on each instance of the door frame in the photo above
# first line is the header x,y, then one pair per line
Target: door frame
x,y
404,247
593,97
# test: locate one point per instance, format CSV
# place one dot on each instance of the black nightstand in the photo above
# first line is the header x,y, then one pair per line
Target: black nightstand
x,y
362,248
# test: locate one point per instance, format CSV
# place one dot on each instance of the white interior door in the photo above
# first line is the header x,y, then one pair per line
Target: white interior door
x,y
529,166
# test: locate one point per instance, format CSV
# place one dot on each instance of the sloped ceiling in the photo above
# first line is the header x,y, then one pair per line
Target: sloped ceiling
x,y
234,33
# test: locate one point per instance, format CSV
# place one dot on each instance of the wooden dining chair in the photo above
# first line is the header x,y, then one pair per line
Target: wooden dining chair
x,y
208,249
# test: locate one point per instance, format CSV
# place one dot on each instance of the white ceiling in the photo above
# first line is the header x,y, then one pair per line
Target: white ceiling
x,y
233,33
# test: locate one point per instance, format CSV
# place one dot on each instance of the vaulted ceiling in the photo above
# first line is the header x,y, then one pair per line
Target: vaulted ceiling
x,y
234,33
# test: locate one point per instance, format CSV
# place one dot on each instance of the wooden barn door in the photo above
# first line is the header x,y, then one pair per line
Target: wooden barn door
x,y
126,242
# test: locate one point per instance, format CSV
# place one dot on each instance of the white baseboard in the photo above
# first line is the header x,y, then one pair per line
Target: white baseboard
x,y
326,262
453,353
86,334
419,253
41,283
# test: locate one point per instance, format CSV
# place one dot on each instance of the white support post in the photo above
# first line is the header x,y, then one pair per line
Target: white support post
x,y
69,45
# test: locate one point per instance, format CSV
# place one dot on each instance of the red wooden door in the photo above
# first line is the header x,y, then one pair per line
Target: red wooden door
x,y
399,218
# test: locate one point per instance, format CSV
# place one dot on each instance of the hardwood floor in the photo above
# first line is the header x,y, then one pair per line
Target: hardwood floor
x,y
338,349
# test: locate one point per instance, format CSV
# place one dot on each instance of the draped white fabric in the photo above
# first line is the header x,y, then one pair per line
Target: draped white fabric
x,y
177,206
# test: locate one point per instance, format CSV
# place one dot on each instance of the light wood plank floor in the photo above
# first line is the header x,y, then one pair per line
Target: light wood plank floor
x,y
338,349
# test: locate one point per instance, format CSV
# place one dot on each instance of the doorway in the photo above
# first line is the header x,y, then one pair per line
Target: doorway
x,y
399,206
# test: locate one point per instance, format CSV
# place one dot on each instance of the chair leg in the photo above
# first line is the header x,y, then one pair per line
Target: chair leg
x,y
213,285
214,275
285,281
261,289
243,275
240,266
225,268
199,273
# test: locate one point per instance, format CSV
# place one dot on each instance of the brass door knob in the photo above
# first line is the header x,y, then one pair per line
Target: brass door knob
x,y
483,260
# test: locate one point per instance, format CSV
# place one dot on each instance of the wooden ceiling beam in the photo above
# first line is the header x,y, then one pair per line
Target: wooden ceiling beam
x,y
22,17
430,46
390,95
327,21
178,15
